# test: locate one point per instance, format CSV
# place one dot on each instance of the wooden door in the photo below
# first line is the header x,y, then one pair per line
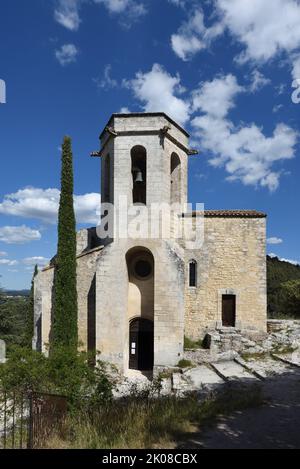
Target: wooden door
x,y
141,345
228,310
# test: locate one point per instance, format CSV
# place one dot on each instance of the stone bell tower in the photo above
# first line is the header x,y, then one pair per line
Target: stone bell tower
x,y
140,279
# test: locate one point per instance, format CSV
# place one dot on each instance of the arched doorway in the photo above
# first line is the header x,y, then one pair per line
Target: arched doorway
x,y
141,274
141,344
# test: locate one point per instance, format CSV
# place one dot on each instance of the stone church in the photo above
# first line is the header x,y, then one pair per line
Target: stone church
x,y
140,295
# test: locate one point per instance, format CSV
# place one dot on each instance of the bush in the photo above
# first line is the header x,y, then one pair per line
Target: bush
x,y
185,363
191,344
146,423
65,372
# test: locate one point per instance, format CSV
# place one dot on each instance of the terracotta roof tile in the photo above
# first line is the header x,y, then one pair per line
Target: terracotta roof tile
x,y
231,214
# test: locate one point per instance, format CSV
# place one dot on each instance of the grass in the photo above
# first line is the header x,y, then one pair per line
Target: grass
x,y
185,363
135,423
254,356
190,344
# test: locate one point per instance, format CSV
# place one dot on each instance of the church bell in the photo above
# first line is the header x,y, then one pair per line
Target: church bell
x,y
139,177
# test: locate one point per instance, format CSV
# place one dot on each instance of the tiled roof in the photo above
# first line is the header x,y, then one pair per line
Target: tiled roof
x,y
231,214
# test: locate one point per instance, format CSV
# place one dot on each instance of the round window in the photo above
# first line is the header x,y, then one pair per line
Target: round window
x,y
143,269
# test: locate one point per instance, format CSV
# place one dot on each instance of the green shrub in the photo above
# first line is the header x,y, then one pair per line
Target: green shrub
x,y
192,345
149,423
65,372
185,363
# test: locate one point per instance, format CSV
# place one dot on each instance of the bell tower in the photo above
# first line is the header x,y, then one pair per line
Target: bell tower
x,y
144,157
140,279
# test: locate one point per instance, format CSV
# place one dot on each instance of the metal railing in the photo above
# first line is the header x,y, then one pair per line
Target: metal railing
x,y
27,421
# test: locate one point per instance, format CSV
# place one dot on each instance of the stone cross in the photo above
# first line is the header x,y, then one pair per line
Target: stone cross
x,y
2,351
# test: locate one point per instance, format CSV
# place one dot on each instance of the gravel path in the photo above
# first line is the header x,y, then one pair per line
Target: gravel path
x,y
275,425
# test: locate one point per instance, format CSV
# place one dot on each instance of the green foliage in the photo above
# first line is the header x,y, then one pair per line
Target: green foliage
x,y
184,363
191,344
133,423
65,372
29,326
13,320
64,324
291,293
283,289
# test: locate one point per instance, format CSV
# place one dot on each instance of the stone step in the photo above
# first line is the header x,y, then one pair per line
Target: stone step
x,y
292,359
268,367
232,371
203,376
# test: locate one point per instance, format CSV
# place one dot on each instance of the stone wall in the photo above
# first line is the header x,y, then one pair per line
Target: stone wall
x,y
112,293
86,269
232,260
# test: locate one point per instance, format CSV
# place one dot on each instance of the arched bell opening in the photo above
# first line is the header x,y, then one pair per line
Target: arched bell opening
x,y
139,175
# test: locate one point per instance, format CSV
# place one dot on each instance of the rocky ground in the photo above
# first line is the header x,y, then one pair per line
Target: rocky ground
x,y
274,425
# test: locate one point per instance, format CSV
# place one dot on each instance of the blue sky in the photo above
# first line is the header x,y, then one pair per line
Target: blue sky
x,y
222,68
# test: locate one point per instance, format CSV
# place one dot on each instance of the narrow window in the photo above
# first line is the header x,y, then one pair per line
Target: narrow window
x,y
193,274
106,180
175,179
139,175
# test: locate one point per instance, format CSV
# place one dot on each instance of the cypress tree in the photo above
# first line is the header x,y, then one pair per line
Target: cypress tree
x,y
64,331
29,331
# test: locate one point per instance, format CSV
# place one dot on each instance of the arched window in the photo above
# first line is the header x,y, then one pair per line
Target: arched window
x,y
139,175
175,179
193,273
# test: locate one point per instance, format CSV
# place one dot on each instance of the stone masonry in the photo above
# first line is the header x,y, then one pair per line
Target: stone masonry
x,y
135,317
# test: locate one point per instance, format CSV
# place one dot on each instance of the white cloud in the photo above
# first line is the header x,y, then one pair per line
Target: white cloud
x,y
18,234
274,240
193,36
129,11
124,110
8,262
296,67
106,82
42,205
67,54
67,14
259,81
3,254
217,97
157,91
277,108
178,3
87,208
36,260
245,152
264,29
290,261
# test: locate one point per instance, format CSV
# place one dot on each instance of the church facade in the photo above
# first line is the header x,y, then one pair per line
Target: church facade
x,y
142,289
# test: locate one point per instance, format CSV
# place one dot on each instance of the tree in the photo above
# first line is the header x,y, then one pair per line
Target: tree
x,y
291,294
64,332
281,301
29,331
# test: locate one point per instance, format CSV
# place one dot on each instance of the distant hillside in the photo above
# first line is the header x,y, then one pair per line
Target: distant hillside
x,y
283,288
17,292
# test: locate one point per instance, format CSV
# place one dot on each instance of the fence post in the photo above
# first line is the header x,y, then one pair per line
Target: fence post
x,y
30,423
